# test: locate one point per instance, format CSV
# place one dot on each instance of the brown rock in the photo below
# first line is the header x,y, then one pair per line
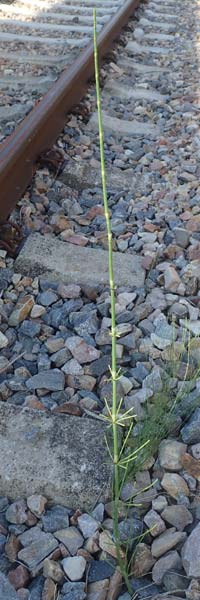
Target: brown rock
x,y
172,279
106,543
31,519
78,382
16,512
22,310
33,402
114,585
12,547
92,543
143,560
193,224
52,570
193,252
98,590
193,591
49,590
19,577
79,240
70,408
191,465
60,223
174,485
69,291
81,351
36,504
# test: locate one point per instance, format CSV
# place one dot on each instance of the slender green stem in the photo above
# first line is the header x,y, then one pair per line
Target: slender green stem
x,y
114,377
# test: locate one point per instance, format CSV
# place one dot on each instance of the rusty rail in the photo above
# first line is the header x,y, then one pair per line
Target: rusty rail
x,y
41,127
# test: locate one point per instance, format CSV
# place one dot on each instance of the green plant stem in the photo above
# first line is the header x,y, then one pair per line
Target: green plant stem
x,y
114,377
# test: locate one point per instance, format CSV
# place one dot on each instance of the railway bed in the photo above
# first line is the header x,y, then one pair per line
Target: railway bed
x,y
55,329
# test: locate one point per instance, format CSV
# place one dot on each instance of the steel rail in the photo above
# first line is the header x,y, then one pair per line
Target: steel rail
x,y
40,128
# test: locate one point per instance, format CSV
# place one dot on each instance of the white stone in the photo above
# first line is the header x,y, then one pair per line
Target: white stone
x,y
74,567
138,33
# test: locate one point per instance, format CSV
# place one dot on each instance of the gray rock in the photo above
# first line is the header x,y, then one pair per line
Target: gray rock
x,y
182,236
71,538
34,554
178,516
53,380
175,581
129,531
191,553
153,381
60,357
55,518
100,569
7,591
98,512
154,522
34,534
88,525
170,454
190,433
85,322
30,328
52,456
170,562
47,298
196,451
73,591
159,503
2,543
36,588
166,541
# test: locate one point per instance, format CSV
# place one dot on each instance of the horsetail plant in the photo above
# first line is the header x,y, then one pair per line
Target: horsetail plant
x,y
120,458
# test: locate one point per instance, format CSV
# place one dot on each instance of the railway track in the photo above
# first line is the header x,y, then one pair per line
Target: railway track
x,y
36,45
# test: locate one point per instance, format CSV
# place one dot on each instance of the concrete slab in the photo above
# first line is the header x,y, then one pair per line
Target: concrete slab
x,y
136,93
162,37
140,67
79,176
158,15
40,59
37,25
75,264
122,127
11,10
146,24
70,8
76,3
62,457
33,83
136,48
47,41
16,111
